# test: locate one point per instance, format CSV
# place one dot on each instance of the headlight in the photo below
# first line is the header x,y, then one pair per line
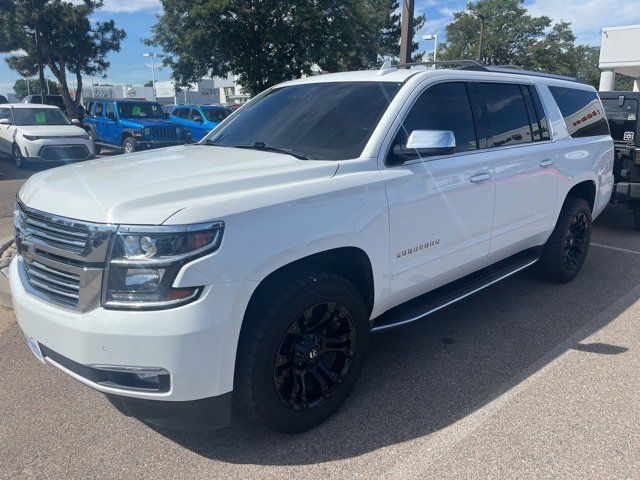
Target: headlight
x,y
147,131
31,138
145,261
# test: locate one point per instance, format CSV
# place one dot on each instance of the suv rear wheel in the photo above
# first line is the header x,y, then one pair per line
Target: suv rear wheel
x,y
565,251
301,352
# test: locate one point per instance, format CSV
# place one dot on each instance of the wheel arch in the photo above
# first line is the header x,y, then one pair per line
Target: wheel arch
x,y
586,190
352,263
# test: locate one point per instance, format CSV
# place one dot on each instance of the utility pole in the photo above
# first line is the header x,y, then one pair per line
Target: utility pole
x,y
39,55
153,57
482,19
406,33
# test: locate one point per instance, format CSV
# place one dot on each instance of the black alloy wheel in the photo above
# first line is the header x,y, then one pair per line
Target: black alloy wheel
x,y
576,241
314,356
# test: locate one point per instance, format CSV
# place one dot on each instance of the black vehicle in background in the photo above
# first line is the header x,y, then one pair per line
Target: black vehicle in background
x,y
55,100
3,99
621,109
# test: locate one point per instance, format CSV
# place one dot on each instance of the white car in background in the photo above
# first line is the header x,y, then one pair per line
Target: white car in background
x,y
41,134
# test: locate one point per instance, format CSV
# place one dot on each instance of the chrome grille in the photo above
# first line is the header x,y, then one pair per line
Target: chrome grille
x,y
63,236
64,152
164,133
62,260
59,286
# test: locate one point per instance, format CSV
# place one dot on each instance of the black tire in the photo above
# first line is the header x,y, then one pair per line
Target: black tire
x,y
636,218
263,379
564,253
129,145
19,161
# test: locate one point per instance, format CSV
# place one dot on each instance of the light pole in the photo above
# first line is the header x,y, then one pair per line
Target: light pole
x,y
153,69
482,19
433,37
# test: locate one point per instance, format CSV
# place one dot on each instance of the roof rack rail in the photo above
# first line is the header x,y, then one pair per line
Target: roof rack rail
x,y
481,67
465,64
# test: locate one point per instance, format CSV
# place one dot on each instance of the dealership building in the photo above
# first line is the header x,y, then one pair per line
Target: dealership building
x,y
620,54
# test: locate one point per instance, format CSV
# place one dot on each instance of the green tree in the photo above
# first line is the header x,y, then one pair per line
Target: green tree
x,y
22,87
69,42
265,42
509,32
513,37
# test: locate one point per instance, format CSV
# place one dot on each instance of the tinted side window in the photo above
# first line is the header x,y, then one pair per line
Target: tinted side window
x,y
110,110
445,106
98,110
582,111
5,113
88,111
181,112
195,116
506,113
542,117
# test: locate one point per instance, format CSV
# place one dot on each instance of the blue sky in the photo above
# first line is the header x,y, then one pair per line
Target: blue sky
x,y
137,17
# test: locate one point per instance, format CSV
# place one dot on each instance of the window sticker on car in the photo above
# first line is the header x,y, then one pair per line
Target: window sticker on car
x,y
632,116
136,111
41,117
628,136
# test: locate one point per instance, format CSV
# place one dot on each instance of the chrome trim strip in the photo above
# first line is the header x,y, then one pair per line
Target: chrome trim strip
x,y
52,290
33,272
451,302
40,266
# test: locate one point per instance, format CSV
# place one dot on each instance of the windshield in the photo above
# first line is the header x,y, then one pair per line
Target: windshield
x,y
320,121
39,116
216,115
139,110
622,118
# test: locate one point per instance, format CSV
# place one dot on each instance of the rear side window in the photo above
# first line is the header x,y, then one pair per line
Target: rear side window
x,y
88,112
581,110
98,110
181,113
445,106
506,112
542,124
5,114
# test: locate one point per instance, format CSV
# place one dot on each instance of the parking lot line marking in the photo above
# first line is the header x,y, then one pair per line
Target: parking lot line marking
x,y
617,249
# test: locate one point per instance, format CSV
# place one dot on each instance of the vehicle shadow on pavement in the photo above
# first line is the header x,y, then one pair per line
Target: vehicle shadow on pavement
x,y
428,375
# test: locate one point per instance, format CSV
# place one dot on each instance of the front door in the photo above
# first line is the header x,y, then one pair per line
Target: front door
x,y
110,130
441,207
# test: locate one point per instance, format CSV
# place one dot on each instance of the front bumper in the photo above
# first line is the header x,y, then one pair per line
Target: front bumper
x,y
50,151
144,144
625,192
195,343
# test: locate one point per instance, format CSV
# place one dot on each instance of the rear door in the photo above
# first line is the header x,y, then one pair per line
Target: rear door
x,y
196,122
98,120
526,180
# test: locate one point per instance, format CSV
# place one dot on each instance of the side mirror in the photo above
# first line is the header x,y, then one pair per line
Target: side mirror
x,y
5,121
425,143
75,121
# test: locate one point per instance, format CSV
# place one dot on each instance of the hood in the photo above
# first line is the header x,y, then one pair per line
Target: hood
x,y
151,122
146,188
51,130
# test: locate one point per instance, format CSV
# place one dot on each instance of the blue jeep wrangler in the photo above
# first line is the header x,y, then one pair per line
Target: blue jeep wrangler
x,y
131,125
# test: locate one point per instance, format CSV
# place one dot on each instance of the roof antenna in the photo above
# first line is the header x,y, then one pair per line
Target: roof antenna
x,y
386,68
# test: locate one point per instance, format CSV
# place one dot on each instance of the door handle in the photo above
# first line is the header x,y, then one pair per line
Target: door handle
x,y
546,163
480,177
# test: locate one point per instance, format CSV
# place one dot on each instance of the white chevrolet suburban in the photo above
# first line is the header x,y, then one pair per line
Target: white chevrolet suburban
x,y
251,268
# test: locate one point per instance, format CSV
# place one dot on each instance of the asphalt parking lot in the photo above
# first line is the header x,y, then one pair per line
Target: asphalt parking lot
x,y
524,380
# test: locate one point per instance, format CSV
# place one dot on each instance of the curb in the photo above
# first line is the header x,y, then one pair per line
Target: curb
x,y
5,295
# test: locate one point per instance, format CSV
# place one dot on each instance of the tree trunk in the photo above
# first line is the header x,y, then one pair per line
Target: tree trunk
x,y
60,72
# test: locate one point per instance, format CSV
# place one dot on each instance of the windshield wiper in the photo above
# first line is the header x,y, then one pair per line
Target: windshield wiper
x,y
269,148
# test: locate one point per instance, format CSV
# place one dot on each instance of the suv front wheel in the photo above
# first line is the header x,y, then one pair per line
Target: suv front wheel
x,y
129,145
18,159
301,352
565,251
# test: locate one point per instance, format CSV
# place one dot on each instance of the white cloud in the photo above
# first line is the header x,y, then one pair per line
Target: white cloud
x,y
127,6
588,17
